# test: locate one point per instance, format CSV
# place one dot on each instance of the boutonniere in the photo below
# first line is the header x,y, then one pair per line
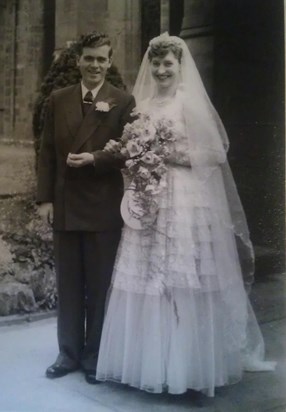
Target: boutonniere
x,y
102,107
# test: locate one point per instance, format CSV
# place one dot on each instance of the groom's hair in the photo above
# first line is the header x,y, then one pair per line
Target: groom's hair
x,y
94,39
162,48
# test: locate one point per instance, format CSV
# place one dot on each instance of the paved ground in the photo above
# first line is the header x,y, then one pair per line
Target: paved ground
x,y
26,350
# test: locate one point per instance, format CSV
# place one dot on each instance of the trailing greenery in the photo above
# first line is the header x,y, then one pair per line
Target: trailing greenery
x,y
63,72
27,269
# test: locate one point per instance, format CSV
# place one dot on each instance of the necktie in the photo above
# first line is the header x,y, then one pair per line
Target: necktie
x,y
87,101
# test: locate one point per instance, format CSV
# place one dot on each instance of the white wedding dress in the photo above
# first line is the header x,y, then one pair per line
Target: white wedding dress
x,y
178,316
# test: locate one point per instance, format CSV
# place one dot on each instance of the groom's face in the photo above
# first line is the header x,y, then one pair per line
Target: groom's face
x,y
93,64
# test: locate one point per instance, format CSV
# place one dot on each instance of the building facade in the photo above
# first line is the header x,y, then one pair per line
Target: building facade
x,y
238,47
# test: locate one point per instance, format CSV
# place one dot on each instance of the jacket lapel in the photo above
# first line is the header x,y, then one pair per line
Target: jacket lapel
x,y
92,119
74,110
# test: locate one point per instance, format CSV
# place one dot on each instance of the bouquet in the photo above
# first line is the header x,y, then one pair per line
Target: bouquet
x,y
145,145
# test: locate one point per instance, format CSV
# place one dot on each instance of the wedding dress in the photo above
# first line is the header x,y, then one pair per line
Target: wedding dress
x,y
178,313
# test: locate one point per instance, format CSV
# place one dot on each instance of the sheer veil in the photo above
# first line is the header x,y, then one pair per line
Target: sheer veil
x,y
208,146
181,278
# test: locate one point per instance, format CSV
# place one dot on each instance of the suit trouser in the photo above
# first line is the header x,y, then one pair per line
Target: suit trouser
x,y
84,264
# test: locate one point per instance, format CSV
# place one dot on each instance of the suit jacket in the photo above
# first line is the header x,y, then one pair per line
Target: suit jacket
x,y
86,198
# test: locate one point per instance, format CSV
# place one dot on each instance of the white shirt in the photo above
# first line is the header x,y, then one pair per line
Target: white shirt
x,y
94,91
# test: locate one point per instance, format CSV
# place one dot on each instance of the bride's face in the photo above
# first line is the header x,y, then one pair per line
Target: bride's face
x,y
165,70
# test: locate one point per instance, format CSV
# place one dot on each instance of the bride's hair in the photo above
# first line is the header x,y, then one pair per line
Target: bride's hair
x,y
162,48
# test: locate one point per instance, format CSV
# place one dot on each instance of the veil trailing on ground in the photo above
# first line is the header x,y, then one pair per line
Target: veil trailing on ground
x,y
208,145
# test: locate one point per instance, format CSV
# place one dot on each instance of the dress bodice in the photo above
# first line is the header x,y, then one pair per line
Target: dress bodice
x,y
171,109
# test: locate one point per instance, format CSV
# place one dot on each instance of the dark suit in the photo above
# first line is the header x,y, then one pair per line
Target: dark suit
x,y
87,222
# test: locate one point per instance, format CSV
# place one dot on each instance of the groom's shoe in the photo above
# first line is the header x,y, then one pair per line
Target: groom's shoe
x,y
90,376
57,371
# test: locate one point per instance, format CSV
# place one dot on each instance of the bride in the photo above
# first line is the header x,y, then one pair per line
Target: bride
x,y
178,315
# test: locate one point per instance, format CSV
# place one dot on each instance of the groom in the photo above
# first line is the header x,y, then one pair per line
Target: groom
x,y
80,189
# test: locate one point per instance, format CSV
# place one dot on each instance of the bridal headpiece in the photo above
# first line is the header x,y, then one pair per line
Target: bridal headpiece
x,y
161,45
166,40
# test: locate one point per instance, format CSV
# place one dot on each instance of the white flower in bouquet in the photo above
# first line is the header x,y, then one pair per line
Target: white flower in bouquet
x,y
152,189
164,125
165,151
144,173
134,148
151,158
124,152
127,132
155,186
160,170
130,163
149,134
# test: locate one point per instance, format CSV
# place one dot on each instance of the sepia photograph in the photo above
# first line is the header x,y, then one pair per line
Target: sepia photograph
x,y
142,206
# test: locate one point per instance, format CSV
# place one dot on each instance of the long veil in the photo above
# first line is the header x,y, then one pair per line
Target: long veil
x,y
178,315
208,145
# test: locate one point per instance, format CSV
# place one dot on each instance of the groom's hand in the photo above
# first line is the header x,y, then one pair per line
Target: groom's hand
x,y
79,160
112,146
46,212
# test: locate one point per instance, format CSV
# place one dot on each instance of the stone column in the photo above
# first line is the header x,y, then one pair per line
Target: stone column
x,y
165,15
124,26
66,17
8,29
28,64
197,31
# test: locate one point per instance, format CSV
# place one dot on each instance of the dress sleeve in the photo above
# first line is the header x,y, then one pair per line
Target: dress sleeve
x,y
179,154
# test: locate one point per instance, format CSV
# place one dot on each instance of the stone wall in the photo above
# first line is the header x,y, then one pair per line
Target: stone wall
x,y
28,65
21,56
31,30
27,279
120,19
7,63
